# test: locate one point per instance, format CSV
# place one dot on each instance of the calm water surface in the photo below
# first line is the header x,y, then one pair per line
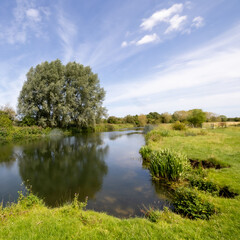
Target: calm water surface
x,y
105,167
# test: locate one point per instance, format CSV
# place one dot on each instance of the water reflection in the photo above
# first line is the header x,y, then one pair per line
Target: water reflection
x,y
57,169
106,167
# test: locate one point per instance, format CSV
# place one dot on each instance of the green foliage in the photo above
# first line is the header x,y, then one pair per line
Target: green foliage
x,y
150,213
166,117
154,118
76,204
114,120
142,119
5,121
145,151
168,164
28,121
154,136
29,200
157,134
197,117
56,95
203,184
189,204
9,111
179,126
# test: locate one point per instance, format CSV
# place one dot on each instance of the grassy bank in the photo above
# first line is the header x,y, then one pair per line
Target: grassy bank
x,y
16,133
30,219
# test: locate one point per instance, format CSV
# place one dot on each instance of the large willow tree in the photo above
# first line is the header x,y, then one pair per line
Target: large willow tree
x,y
56,95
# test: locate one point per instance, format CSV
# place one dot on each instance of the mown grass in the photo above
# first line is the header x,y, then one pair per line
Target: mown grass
x,y
36,221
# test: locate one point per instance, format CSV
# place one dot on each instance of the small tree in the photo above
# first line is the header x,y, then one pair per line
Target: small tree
x,y
142,120
166,117
197,117
5,121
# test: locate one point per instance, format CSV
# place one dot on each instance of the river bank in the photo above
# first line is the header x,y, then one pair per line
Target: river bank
x,y
30,219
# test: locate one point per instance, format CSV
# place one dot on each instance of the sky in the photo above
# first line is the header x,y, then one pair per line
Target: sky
x,y
150,55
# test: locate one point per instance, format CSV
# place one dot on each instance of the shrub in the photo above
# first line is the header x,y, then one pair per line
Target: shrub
x,y
145,151
28,121
29,200
168,164
5,121
189,204
179,126
203,184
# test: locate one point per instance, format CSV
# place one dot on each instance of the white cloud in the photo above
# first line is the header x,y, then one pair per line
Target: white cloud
x,y
124,44
198,22
33,14
161,16
147,39
176,23
213,67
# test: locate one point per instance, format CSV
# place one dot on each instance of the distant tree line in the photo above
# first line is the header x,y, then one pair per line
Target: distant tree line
x,y
9,118
194,116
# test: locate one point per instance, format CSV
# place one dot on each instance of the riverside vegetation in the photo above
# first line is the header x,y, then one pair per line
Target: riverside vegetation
x,y
199,189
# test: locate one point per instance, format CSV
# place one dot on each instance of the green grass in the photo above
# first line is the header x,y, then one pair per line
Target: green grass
x,y
104,127
16,133
36,221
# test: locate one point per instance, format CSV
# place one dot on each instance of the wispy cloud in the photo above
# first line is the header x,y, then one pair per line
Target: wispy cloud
x,y
214,65
27,18
33,14
67,32
198,22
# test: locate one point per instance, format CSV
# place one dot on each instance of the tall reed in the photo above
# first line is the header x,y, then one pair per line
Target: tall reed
x,y
168,164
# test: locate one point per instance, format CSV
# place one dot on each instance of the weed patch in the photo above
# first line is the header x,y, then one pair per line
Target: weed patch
x,y
188,204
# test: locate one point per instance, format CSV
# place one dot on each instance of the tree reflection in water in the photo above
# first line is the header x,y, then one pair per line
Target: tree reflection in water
x,y
58,168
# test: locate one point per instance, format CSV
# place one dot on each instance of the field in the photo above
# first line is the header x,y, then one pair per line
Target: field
x,y
30,219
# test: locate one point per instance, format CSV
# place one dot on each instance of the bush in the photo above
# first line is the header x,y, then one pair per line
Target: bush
x,y
145,151
203,185
5,121
179,126
189,204
28,121
168,164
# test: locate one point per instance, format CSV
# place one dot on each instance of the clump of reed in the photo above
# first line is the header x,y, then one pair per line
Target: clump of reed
x,y
168,164
145,151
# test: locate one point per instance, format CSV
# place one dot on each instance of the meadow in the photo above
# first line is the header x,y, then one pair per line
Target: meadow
x,y
30,219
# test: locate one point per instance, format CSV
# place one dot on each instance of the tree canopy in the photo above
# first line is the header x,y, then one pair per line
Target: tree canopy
x,y
58,95
197,117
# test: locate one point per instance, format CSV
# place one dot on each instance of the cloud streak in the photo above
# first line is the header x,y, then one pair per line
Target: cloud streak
x,y
214,65
27,19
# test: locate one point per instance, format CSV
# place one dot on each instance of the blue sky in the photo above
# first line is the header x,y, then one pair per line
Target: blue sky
x,y
150,55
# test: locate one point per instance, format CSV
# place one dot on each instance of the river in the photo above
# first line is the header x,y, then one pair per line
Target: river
x,y
105,167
